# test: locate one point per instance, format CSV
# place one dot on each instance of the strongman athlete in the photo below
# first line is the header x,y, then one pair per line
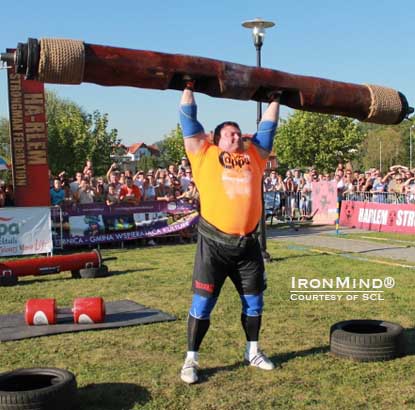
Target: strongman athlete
x,y
228,175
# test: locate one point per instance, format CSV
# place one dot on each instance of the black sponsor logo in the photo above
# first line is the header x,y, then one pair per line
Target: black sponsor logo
x,y
232,161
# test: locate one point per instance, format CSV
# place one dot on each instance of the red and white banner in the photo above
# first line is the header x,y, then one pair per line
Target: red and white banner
x,y
25,231
324,202
378,217
29,141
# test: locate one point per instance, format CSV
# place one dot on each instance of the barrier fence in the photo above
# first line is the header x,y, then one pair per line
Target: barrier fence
x,y
381,197
31,230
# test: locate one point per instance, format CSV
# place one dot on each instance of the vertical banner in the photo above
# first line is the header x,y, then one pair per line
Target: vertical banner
x,y
28,135
324,202
25,231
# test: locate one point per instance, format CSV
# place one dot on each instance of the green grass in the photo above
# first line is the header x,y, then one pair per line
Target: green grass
x,y
138,367
383,237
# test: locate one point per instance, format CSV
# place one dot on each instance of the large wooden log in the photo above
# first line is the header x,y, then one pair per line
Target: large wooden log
x,y
72,62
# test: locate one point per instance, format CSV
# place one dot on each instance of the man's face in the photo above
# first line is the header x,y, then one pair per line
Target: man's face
x,y
57,184
114,178
230,139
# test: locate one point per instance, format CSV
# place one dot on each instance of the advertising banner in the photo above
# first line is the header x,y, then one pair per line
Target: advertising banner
x,y
29,138
324,202
25,231
99,223
378,217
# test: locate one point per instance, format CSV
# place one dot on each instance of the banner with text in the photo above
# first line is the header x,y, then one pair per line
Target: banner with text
x,y
99,223
378,217
25,231
28,138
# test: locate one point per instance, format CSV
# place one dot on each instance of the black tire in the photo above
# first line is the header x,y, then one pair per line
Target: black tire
x,y
367,340
100,272
8,280
75,274
38,389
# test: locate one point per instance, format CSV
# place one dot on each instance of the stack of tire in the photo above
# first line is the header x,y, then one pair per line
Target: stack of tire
x,y
367,340
87,273
38,389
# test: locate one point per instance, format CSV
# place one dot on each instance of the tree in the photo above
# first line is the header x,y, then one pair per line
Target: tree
x,y
322,140
147,162
383,148
5,151
75,136
172,147
5,139
386,144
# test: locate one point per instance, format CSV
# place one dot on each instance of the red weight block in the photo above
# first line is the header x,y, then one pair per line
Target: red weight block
x,y
40,312
88,310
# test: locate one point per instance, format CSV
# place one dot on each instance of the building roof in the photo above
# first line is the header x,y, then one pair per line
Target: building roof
x,y
132,149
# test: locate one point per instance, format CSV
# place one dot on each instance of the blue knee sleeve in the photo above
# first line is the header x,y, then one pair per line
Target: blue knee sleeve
x,y
252,305
202,307
188,120
264,137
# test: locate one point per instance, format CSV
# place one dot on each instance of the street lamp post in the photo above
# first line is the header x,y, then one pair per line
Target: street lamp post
x,y
258,27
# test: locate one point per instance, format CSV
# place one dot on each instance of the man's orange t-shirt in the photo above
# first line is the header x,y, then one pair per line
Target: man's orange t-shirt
x,y
230,187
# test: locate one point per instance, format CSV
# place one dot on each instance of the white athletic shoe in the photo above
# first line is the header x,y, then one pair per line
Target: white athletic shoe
x,y
189,371
259,360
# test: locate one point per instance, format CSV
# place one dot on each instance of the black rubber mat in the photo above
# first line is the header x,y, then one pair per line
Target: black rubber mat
x,y
118,314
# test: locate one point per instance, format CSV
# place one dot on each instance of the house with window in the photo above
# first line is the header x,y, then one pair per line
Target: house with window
x,y
128,156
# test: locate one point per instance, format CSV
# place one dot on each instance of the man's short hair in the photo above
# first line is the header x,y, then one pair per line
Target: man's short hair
x,y
216,133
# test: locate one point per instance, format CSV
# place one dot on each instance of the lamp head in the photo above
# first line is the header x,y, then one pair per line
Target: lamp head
x,y
258,27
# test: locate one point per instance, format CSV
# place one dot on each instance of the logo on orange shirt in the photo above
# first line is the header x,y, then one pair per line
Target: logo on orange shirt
x,y
232,161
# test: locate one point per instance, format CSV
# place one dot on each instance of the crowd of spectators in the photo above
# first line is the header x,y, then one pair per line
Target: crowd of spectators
x,y
294,189
123,186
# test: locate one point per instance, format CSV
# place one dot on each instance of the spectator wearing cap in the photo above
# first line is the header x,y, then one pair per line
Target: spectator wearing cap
x,y
130,193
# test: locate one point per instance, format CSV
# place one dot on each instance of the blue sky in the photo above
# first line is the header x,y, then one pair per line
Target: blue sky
x,y
358,41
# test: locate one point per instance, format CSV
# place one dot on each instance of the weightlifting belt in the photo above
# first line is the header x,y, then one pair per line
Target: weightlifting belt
x,y
209,231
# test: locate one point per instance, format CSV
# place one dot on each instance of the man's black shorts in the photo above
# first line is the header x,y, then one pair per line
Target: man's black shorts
x,y
215,261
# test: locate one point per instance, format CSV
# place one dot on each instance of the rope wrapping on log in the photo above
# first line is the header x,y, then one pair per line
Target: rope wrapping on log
x,y
61,61
386,106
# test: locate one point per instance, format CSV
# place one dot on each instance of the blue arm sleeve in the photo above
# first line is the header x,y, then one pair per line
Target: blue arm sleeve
x,y
264,137
188,120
